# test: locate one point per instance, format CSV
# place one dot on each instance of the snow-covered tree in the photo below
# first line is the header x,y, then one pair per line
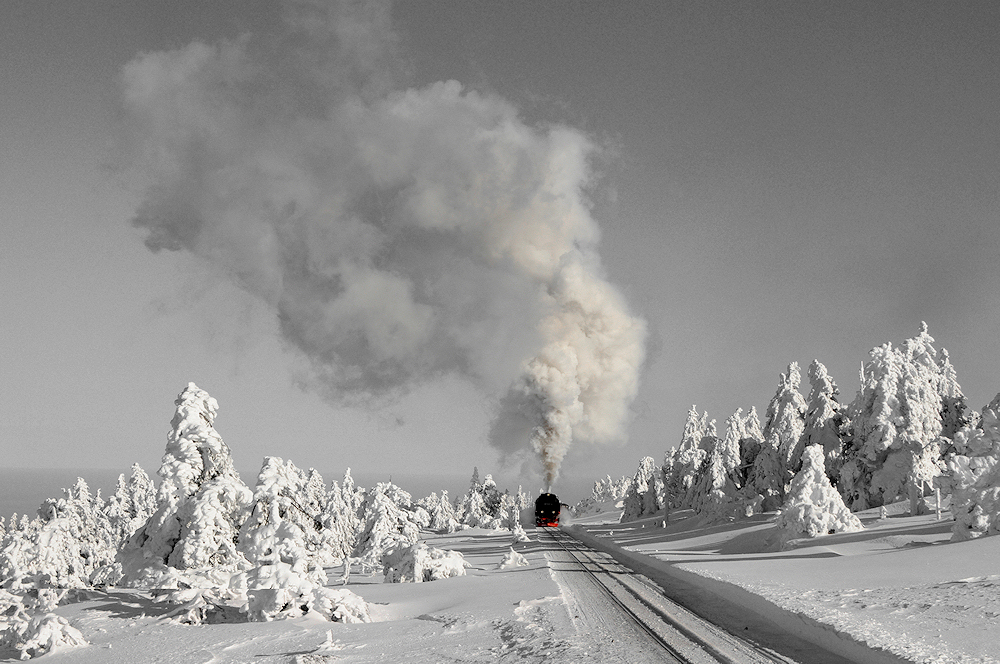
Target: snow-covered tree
x,y
766,478
813,507
729,446
643,497
786,421
287,495
698,434
716,495
385,525
750,444
132,503
480,507
896,421
974,476
825,418
202,502
62,548
441,511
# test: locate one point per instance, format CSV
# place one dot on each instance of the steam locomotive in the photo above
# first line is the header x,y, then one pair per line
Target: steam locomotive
x,y
547,510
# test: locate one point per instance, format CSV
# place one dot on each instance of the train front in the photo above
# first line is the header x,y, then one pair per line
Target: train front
x,y
547,510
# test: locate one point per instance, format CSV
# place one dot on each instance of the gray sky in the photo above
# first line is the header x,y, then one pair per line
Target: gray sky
x,y
780,181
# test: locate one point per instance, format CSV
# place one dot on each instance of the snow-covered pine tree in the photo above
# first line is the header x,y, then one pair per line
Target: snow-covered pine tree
x,y
286,495
709,441
640,499
201,500
716,495
766,479
813,507
750,445
62,547
442,513
608,493
688,460
385,525
974,476
785,421
131,505
729,447
341,523
825,418
896,422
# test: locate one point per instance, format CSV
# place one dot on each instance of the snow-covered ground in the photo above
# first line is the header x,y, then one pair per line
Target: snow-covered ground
x,y
899,585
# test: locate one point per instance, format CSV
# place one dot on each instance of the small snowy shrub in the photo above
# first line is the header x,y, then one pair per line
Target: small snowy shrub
x,y
29,626
813,507
46,633
419,562
512,559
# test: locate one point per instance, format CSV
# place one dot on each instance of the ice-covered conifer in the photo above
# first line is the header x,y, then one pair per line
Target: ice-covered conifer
x,y
201,501
729,446
385,526
716,496
480,507
688,460
750,445
340,524
786,420
825,418
765,478
896,421
813,507
442,513
283,495
132,503
642,498
974,477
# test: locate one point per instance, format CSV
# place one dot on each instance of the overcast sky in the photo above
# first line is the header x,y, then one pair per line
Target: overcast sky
x,y
777,182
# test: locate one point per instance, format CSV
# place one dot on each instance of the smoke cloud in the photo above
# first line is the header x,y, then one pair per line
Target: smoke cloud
x,y
399,234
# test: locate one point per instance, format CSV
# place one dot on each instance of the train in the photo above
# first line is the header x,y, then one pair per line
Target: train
x,y
547,510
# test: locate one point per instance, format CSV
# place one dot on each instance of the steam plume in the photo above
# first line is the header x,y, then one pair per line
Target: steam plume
x,y
399,234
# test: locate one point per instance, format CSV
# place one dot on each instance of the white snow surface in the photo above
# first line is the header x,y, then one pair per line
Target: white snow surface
x,y
899,586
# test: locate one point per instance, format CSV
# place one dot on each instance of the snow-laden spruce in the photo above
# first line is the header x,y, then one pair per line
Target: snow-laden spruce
x,y
785,422
645,494
70,540
897,423
825,418
974,474
812,506
202,502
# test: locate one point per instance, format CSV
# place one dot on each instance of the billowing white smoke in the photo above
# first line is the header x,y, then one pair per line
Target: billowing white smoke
x,y
399,234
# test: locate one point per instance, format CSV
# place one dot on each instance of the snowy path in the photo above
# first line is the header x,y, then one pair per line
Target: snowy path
x,y
628,618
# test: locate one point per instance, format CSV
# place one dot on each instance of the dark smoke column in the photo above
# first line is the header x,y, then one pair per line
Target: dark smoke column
x,y
398,234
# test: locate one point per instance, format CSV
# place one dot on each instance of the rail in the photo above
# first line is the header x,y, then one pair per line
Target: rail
x,y
671,626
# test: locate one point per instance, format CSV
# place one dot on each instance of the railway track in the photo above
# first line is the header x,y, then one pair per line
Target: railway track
x,y
681,636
